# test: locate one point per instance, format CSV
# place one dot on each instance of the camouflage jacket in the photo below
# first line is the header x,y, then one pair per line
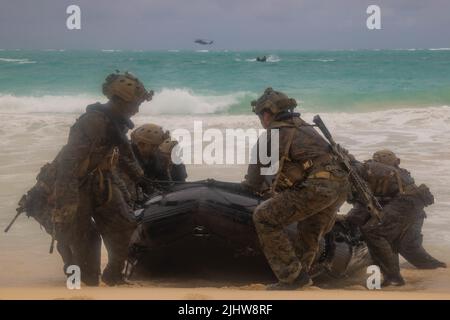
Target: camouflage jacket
x,y
93,140
389,182
307,153
384,181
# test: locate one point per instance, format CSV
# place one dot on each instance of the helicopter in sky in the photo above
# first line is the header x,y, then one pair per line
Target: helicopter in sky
x,y
204,42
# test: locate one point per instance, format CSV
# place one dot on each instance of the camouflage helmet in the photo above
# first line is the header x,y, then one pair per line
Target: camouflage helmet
x,y
127,87
167,146
273,101
387,157
149,134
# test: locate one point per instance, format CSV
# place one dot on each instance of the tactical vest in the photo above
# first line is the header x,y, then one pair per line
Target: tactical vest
x,y
304,154
39,200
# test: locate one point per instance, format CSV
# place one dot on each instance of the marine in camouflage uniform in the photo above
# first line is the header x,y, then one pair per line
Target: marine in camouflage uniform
x,y
403,214
152,147
308,189
87,202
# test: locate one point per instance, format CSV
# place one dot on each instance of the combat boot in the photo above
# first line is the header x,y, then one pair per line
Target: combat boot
x,y
303,280
433,265
90,280
396,280
113,278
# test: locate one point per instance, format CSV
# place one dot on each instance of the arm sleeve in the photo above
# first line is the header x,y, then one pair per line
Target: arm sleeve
x,y
254,180
128,161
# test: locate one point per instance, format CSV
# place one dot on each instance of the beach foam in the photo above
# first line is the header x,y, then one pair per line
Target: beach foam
x,y
17,61
166,101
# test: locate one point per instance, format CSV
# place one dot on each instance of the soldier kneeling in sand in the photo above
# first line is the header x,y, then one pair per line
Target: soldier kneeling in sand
x,y
403,215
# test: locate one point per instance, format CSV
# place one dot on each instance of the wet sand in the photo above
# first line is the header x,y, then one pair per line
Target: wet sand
x,y
428,284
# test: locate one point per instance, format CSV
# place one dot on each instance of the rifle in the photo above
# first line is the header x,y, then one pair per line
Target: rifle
x,y
19,210
358,183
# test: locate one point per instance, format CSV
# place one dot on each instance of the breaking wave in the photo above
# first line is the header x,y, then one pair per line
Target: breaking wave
x,y
166,101
184,101
323,60
17,61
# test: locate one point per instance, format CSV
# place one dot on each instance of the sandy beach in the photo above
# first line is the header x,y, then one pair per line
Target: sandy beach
x,y
29,272
426,285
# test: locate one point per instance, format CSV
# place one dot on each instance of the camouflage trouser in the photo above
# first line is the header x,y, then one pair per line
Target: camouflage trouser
x,y
399,233
411,248
111,219
38,206
314,207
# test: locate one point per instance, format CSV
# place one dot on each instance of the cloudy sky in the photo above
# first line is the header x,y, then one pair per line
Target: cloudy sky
x,y
233,24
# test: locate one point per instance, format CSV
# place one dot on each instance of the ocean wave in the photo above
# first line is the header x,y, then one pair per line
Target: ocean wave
x,y
202,50
185,101
17,61
166,101
439,49
323,60
178,101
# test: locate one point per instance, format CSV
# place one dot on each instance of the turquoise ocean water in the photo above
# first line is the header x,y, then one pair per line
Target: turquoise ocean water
x,y
225,82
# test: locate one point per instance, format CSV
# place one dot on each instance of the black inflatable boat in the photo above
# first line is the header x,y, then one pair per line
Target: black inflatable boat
x,y
206,227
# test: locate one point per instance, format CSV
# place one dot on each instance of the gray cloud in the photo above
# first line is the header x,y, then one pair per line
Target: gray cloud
x,y
233,24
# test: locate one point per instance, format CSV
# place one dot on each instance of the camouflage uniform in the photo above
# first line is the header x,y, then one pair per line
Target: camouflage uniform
x,y
310,190
76,195
85,192
403,215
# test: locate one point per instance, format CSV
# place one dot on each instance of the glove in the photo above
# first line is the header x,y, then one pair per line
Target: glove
x,y
426,195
